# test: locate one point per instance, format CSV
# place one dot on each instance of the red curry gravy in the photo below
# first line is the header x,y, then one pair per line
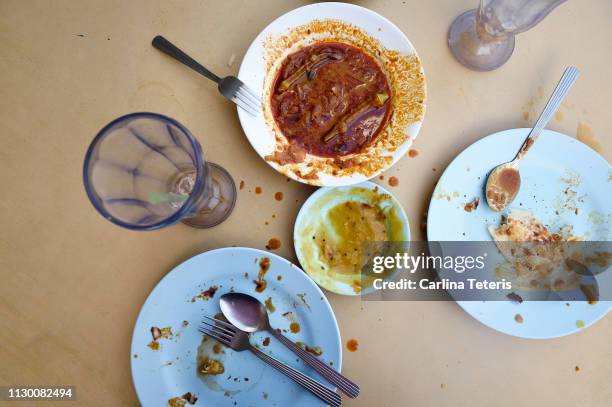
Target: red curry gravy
x,y
332,99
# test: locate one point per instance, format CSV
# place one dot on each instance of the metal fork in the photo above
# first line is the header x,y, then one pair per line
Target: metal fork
x,y
230,86
238,340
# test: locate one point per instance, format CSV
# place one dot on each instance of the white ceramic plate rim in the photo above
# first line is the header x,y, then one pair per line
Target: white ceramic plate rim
x,y
252,74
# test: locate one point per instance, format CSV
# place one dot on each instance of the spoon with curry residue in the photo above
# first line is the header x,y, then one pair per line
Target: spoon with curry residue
x,y
248,314
504,181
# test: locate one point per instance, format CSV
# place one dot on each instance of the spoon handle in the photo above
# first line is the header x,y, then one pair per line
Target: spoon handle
x,y
347,386
327,395
565,83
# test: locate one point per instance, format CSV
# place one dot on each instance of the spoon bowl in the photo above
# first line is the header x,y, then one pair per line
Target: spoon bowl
x,y
245,312
503,185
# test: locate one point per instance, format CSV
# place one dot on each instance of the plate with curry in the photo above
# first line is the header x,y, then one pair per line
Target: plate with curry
x,y
340,229
343,94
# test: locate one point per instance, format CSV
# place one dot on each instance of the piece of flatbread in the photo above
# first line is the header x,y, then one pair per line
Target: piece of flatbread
x,y
536,258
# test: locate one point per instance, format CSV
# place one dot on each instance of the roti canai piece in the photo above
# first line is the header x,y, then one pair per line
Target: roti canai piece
x,y
536,257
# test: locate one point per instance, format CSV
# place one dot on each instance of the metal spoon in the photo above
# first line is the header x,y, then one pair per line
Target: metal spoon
x,y
504,181
248,314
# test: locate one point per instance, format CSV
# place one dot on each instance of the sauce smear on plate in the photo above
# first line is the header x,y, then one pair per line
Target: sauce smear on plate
x,y
332,99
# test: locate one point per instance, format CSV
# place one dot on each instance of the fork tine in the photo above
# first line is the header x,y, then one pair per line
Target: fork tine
x,y
243,106
224,336
219,328
242,97
214,336
222,323
249,94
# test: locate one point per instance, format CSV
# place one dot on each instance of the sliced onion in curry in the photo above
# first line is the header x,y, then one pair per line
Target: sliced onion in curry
x,y
332,99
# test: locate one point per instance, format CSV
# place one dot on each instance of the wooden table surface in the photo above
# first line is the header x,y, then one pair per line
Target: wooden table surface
x,y
72,283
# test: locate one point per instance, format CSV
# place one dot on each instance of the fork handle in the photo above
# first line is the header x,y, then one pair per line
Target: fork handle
x,y
327,395
172,50
350,388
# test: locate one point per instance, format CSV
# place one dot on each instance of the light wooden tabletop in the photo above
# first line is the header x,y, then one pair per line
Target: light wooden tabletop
x,y
72,283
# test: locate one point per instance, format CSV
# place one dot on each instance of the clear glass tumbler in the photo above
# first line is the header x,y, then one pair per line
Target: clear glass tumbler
x,y
146,171
483,39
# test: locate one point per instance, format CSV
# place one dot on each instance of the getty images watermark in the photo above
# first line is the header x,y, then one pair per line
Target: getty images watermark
x,y
487,271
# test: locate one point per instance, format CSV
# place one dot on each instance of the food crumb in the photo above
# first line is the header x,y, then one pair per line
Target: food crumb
x,y
294,327
176,402
413,153
135,355
273,244
231,60
577,368
241,185
579,323
278,196
352,345
518,318
266,341
472,206
217,348
185,323
269,306
393,181
442,386
190,398
258,190
279,277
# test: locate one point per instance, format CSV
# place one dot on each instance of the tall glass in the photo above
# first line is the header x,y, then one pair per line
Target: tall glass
x,y
146,171
483,39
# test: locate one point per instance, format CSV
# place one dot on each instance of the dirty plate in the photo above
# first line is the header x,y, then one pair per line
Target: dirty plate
x,y
319,224
558,175
180,300
373,34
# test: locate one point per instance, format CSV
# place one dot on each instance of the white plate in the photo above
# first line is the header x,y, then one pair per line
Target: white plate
x,y
171,371
306,217
552,158
253,74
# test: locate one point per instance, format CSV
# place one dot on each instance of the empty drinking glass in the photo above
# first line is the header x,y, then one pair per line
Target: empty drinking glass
x,y
483,39
145,171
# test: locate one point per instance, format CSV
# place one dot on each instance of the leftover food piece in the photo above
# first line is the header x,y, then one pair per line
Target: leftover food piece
x,y
537,258
209,366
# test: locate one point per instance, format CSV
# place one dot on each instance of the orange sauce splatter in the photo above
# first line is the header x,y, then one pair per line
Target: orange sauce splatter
x,y
278,196
381,177
266,341
260,283
518,318
352,345
585,134
577,368
526,116
258,190
294,327
413,153
393,181
273,244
